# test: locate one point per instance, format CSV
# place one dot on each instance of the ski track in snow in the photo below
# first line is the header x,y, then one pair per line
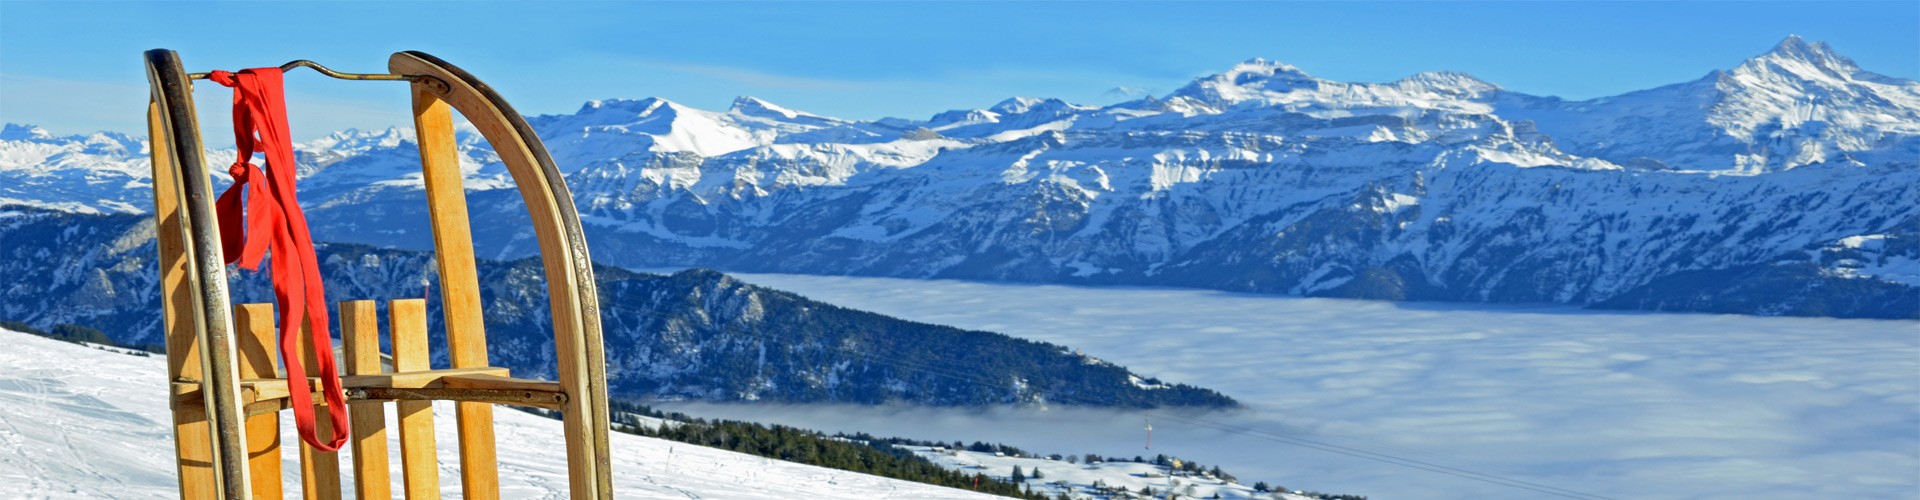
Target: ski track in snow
x,y
1625,405
78,422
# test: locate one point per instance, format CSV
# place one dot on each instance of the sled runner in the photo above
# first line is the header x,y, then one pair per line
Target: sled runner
x,y
227,392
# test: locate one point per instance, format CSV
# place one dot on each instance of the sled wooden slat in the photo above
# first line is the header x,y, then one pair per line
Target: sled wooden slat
x,y
492,381
452,233
407,320
254,325
459,282
261,391
319,470
418,379
193,445
360,338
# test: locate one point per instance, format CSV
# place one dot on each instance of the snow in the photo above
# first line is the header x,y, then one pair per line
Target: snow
x,y
1625,405
85,422
1075,479
1797,104
1872,259
1264,83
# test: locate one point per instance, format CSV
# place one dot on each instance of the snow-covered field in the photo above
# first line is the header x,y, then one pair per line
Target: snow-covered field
x,y
1076,480
77,422
1617,405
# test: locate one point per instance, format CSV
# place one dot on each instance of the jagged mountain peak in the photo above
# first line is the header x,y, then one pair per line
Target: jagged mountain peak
x,y
1247,80
1450,81
773,121
652,123
24,132
1017,105
963,116
1801,60
1260,83
354,139
1799,48
1264,66
1797,104
1022,105
642,107
754,106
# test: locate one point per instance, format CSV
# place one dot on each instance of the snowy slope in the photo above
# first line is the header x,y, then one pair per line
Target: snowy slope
x,y
1078,480
80,422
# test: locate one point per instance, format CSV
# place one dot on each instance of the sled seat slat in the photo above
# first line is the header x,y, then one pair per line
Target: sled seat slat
x,y
480,385
319,470
360,342
257,344
419,460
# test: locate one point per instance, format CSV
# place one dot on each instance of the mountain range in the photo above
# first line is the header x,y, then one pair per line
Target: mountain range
x,y
1785,185
693,335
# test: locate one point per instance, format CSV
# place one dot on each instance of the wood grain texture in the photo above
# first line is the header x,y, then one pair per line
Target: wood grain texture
x,y
254,325
419,465
193,445
205,269
417,379
499,381
572,298
452,232
459,283
360,339
319,470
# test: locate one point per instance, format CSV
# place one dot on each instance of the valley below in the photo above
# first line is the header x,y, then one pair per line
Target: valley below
x,y
1424,400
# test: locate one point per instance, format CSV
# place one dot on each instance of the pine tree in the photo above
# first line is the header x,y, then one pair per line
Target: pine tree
x,y
1018,477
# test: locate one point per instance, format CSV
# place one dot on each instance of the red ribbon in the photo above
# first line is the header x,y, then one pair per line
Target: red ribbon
x,y
274,222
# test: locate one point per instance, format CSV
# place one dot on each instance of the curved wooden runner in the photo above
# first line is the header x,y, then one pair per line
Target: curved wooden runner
x,y
571,292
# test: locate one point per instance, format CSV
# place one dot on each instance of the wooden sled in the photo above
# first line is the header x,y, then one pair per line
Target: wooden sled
x,y
226,397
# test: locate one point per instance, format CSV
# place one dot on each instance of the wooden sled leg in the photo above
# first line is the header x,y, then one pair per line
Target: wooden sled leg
x,y
459,284
360,336
571,293
419,464
197,306
192,442
257,345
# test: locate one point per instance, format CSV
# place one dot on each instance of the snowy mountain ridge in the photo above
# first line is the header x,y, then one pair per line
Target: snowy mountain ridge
x,y
1263,178
1798,104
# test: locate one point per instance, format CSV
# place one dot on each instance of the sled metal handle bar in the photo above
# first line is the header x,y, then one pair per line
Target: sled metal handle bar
x,y
438,86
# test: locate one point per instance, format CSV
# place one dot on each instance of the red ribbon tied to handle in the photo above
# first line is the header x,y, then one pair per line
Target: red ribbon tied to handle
x,y
274,222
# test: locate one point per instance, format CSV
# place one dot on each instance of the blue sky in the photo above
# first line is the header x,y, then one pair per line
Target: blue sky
x,y
74,67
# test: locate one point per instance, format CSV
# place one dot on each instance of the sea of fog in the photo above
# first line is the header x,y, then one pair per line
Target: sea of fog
x,y
1419,400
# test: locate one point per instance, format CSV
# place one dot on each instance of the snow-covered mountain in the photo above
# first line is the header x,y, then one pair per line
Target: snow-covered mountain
x,y
1799,104
1263,178
85,422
